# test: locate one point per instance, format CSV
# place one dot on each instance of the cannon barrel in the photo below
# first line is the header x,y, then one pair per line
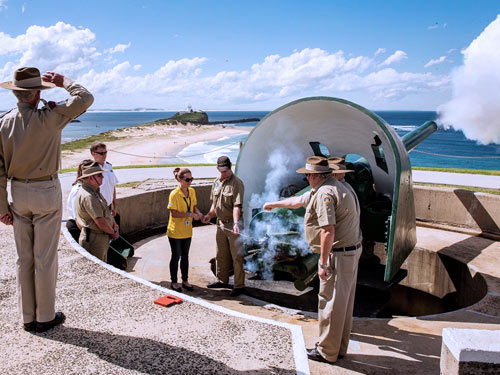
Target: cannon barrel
x,y
416,136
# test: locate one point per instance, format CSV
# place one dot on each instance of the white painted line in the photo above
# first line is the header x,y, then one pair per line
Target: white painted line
x,y
298,344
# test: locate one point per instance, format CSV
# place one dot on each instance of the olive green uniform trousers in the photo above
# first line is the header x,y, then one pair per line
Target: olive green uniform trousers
x,y
96,244
228,254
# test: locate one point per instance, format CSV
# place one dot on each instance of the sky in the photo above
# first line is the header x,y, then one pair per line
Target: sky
x,y
253,55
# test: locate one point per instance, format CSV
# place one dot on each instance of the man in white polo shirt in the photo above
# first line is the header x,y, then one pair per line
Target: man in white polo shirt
x,y
107,189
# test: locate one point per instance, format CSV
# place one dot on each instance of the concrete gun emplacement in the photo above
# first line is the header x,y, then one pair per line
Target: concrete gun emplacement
x,y
381,179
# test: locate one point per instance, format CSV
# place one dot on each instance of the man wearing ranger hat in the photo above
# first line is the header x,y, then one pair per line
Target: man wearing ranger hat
x,y
30,152
331,225
93,214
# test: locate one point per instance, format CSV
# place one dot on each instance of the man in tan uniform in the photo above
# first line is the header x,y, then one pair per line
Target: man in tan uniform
x,y
93,214
331,225
227,200
30,151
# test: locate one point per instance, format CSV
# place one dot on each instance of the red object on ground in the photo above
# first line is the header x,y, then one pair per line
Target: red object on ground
x,y
168,300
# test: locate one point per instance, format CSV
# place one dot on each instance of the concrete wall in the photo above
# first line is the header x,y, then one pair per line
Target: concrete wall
x,y
461,208
148,210
470,351
443,206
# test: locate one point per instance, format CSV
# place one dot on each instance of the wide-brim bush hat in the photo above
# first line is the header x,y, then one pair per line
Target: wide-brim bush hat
x,y
27,78
339,168
336,160
91,170
315,164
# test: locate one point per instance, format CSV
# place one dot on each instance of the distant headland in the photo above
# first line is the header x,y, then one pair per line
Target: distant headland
x,y
200,117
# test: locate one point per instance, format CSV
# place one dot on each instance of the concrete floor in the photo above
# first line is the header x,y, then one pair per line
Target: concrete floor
x,y
378,346
114,327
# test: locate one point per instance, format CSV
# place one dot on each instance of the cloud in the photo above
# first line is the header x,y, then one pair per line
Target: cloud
x,y
474,106
3,5
436,61
117,48
395,57
118,81
60,47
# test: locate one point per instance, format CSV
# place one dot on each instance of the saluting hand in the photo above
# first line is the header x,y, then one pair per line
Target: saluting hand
x,y
55,78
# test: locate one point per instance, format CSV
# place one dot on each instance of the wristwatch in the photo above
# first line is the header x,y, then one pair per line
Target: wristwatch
x,y
323,265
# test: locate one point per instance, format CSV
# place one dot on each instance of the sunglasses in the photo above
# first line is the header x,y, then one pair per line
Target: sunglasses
x,y
101,152
188,179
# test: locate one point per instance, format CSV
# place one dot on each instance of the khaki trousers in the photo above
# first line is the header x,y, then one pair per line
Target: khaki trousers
x,y
336,303
36,208
229,255
97,244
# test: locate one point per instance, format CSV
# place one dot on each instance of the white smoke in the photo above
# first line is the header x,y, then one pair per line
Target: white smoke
x,y
283,228
475,106
280,164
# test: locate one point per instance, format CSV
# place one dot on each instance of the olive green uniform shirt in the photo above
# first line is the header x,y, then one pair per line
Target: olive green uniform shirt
x,y
90,204
332,203
30,138
225,195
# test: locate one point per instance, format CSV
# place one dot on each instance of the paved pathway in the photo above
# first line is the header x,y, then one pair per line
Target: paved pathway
x,y
464,179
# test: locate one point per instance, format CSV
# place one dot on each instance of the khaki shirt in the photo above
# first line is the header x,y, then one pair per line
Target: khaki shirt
x,y
30,138
332,203
225,195
90,204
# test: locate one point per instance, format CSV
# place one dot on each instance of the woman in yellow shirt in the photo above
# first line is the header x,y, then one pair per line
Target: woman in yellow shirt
x,y
182,205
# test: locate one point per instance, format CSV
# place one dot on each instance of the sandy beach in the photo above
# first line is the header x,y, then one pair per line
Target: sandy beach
x,y
146,145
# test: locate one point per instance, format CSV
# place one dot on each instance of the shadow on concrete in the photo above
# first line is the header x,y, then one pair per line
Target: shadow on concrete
x,y
403,352
216,295
470,287
477,211
466,250
145,355
131,262
201,291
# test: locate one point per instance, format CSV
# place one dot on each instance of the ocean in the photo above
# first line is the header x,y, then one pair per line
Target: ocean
x,y
444,148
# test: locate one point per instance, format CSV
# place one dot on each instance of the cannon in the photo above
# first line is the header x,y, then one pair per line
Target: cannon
x,y
382,180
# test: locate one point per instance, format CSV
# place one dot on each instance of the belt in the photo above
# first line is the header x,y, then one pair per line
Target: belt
x,y
348,248
225,221
36,179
